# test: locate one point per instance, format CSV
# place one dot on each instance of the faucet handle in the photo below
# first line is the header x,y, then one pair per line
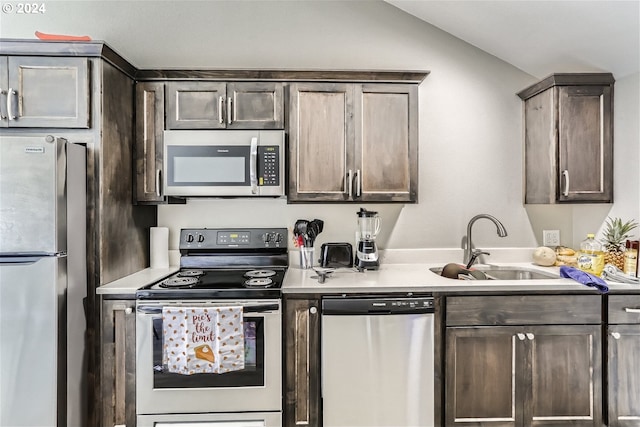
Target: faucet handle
x,y
475,253
478,252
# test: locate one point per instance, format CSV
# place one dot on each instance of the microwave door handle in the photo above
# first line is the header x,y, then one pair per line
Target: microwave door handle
x,y
253,165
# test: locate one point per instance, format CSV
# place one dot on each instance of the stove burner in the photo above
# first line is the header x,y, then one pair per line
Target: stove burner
x,y
190,273
259,273
259,282
178,282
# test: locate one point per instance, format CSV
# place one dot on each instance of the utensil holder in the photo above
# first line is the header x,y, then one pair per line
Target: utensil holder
x,y
306,257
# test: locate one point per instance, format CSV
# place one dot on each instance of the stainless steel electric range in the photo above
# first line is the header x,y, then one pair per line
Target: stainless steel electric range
x,y
218,268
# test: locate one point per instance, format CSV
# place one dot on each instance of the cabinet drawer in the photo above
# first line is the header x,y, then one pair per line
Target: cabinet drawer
x,y
624,309
519,310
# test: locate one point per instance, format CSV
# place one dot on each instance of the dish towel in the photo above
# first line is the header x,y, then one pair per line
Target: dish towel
x,y
200,340
584,278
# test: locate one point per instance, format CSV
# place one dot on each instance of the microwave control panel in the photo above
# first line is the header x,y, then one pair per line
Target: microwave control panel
x,y
269,165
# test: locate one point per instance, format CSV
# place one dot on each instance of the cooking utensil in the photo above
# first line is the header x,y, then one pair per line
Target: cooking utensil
x,y
309,230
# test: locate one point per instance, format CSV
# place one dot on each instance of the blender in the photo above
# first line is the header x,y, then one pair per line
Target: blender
x,y
367,252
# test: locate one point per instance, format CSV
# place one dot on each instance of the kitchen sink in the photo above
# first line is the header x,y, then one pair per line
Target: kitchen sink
x,y
496,272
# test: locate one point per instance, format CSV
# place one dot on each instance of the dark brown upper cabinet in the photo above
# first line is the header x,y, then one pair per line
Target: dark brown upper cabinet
x,y
352,142
148,144
44,92
569,139
220,105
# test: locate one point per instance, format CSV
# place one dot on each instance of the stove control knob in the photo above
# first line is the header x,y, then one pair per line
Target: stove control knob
x,y
278,237
266,237
189,238
200,238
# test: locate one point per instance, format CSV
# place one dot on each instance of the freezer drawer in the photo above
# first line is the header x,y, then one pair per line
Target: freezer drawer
x,y
30,322
377,369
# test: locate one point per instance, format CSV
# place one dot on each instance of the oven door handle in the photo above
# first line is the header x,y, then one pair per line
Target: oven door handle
x,y
258,308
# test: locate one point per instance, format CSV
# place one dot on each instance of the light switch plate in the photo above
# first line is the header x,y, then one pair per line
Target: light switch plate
x,y
551,237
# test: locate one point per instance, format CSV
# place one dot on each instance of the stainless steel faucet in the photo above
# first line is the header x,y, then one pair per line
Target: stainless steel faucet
x,y
470,254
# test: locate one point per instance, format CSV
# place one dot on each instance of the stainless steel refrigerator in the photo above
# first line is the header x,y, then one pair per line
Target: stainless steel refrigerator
x,y
42,281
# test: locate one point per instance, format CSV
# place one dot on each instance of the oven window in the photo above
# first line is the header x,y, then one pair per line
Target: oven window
x,y
251,375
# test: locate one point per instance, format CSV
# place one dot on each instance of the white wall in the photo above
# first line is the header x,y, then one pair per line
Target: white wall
x,y
470,118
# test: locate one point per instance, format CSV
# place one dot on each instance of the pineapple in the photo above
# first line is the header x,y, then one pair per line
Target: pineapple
x,y
615,235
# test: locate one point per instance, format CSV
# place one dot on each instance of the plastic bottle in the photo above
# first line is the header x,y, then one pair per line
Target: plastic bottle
x,y
631,258
591,257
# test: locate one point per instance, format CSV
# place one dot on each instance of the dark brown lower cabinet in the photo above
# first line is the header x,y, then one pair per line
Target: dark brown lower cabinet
x,y
623,364
522,374
118,373
302,362
624,375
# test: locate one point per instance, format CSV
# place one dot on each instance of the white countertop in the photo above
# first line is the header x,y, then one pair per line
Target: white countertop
x,y
408,271
405,270
415,278
129,284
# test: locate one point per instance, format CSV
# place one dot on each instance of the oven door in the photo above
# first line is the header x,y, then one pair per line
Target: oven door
x,y
223,163
258,387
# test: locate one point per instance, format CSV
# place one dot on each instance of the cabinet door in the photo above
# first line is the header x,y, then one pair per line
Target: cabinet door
x,y
149,149
566,376
118,386
483,368
585,143
195,105
302,365
321,139
255,106
47,92
4,86
386,149
624,375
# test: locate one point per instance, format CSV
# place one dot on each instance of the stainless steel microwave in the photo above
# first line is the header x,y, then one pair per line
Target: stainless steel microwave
x,y
224,163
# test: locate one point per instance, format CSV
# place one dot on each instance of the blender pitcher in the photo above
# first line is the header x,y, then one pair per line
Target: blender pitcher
x,y
367,252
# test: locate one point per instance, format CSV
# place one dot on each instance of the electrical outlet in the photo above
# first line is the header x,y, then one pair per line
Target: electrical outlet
x,y
551,237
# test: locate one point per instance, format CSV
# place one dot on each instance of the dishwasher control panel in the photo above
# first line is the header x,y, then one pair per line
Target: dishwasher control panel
x,y
363,306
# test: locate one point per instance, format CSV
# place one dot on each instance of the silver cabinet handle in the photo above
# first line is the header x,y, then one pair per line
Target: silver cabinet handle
x,y
220,107
313,310
2,116
530,336
520,336
9,104
565,175
253,165
158,182
350,182
229,111
632,310
358,183
615,335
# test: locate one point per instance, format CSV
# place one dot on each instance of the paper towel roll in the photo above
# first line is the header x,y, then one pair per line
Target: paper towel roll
x,y
159,247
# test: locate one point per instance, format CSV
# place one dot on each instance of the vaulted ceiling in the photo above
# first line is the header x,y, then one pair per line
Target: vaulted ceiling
x,y
542,37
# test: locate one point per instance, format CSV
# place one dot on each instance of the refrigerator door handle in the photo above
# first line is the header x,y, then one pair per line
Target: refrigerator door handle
x,y
27,259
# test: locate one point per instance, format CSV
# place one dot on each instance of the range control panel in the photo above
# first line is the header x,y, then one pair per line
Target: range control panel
x,y
228,238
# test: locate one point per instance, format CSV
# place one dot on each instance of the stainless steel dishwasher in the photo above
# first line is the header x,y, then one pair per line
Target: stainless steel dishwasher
x,y
377,362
